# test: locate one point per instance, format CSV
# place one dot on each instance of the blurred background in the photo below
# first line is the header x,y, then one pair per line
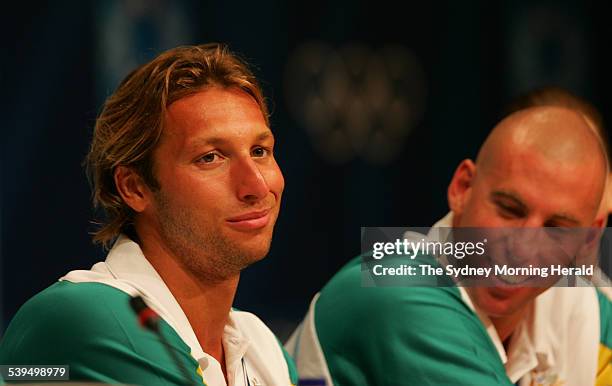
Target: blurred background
x,y
374,104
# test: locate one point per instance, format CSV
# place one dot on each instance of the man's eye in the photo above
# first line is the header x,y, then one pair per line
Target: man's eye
x,y
508,211
259,152
558,230
209,158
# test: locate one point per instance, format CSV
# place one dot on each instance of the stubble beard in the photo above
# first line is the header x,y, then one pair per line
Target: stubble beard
x,y
203,251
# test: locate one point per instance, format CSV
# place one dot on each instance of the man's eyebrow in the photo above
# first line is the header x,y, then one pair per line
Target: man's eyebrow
x,y
264,135
509,196
217,141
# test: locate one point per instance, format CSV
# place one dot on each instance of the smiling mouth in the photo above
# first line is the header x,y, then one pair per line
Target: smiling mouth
x,y
250,221
502,292
514,280
509,281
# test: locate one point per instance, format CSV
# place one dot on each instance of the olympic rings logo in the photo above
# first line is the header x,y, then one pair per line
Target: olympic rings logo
x,y
354,101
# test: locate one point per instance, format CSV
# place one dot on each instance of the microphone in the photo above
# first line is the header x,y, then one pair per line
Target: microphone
x,y
150,320
146,316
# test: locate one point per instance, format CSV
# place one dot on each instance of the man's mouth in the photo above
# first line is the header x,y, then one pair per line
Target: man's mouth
x,y
509,280
503,292
250,220
513,280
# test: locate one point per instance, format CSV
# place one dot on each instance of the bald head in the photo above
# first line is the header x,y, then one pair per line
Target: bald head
x,y
560,137
545,163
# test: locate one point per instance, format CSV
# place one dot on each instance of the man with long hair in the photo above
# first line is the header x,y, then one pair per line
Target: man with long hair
x,y
182,163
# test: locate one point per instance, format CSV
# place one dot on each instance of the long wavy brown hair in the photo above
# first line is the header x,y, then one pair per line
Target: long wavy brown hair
x,y
130,124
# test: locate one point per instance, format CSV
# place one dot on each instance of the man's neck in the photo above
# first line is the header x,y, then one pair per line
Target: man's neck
x,y
206,303
506,325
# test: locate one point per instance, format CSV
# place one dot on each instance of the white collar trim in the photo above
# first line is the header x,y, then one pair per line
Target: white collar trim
x,y
131,272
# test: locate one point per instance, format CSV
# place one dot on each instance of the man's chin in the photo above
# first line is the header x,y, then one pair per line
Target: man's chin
x,y
252,257
230,262
499,302
254,250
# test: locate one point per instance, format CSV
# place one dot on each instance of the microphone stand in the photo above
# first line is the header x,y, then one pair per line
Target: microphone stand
x,y
150,320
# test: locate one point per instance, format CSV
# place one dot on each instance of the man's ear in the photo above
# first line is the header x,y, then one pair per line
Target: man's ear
x,y
460,186
132,189
600,222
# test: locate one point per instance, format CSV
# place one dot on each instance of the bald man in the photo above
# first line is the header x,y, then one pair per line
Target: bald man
x,y
556,96
540,167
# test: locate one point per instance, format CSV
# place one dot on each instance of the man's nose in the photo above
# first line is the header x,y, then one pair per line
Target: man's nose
x,y
250,183
527,246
